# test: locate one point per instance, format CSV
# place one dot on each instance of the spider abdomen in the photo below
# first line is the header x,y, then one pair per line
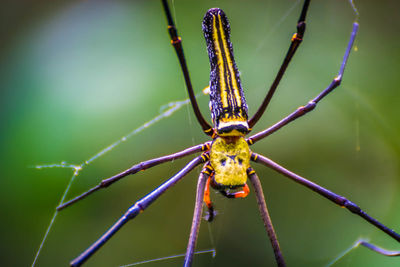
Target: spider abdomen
x,y
228,105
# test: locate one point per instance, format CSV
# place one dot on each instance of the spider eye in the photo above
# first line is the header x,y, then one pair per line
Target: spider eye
x,y
223,161
240,161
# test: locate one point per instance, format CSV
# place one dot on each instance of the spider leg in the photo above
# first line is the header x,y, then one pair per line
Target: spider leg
x,y
207,200
198,210
138,208
313,103
177,44
335,198
295,43
384,252
265,216
136,168
239,194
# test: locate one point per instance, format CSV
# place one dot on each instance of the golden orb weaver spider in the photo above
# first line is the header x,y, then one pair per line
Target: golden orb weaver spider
x,y
223,134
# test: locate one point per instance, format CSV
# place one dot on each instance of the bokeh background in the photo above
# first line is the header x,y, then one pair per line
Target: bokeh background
x,y
75,76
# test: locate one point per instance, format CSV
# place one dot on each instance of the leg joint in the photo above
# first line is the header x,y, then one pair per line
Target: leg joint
x,y
337,80
301,28
307,108
351,206
310,105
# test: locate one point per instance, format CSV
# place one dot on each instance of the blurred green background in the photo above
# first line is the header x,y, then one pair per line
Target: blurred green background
x,y
76,76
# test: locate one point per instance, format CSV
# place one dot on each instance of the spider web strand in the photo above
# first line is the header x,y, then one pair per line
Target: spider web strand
x,y
212,251
54,217
364,242
172,107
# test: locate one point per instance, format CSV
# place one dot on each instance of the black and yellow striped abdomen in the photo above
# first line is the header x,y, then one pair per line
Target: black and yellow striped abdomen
x,y
227,102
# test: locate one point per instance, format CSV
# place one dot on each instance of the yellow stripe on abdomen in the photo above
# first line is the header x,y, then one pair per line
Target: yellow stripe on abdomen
x,y
228,106
229,91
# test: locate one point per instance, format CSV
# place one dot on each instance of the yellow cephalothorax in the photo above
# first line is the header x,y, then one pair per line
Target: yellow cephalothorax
x,y
230,158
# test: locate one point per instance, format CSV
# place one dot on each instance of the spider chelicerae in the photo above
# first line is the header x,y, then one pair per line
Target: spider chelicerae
x,y
226,159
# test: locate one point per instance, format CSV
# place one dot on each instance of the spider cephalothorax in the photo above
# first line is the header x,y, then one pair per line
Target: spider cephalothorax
x,y
230,159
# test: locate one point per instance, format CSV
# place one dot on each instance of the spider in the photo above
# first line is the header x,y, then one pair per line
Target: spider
x,y
226,159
